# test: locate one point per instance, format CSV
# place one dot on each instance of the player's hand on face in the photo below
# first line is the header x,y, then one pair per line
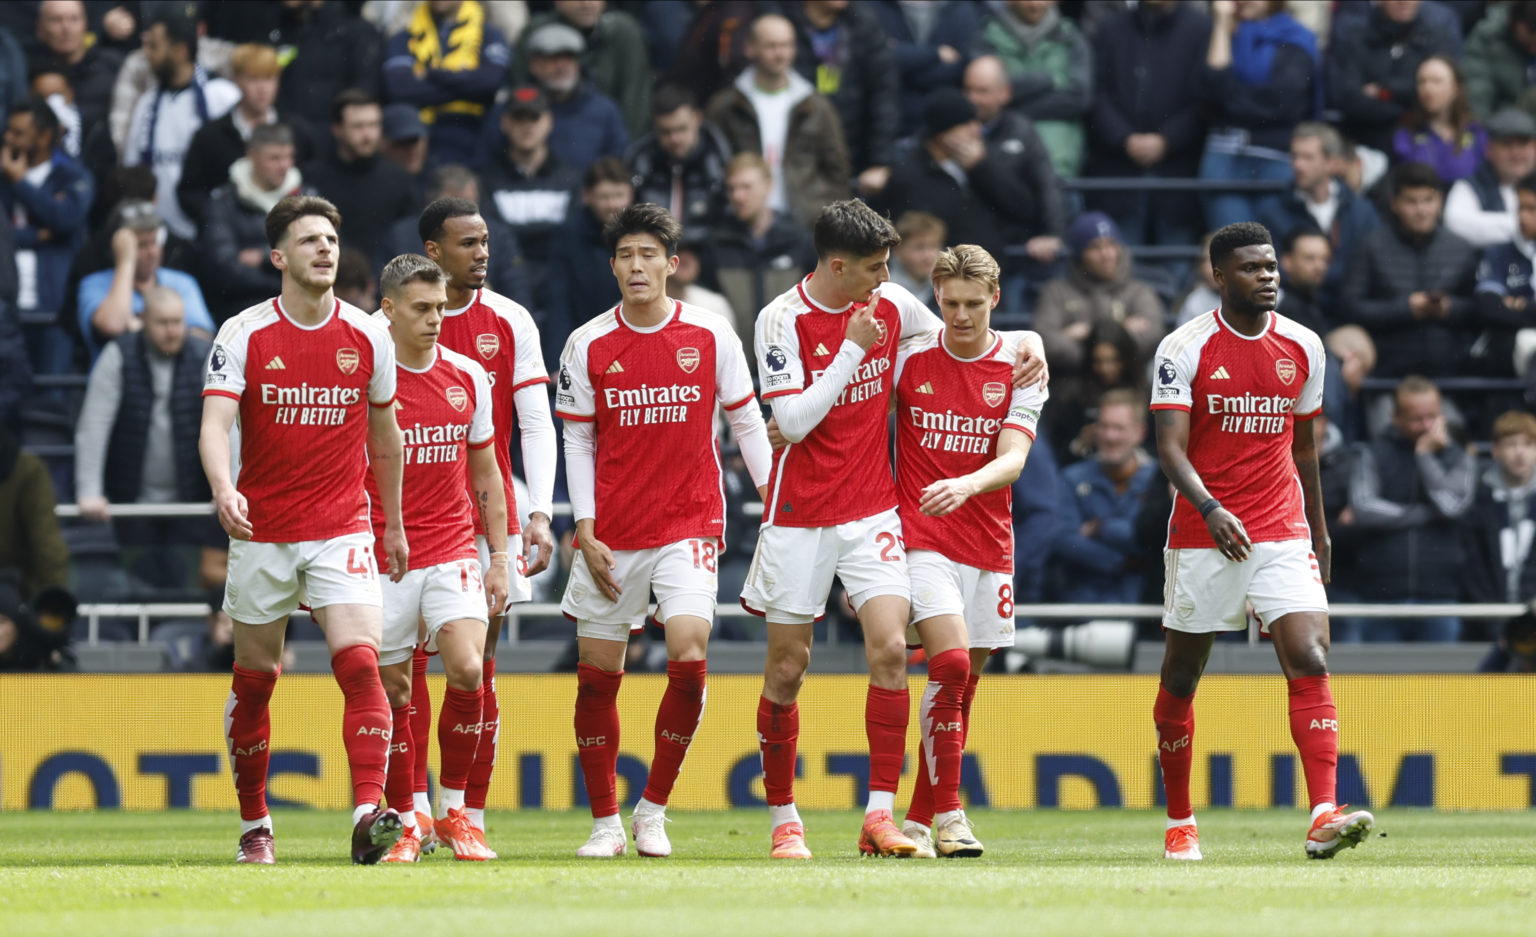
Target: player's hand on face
x,y
944,496
498,585
600,561
537,534
1030,367
775,438
862,327
397,552
234,517
1230,535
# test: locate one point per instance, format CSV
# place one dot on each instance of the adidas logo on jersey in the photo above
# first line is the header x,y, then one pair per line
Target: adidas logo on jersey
x,y
822,349
615,368
276,364
925,388
1220,374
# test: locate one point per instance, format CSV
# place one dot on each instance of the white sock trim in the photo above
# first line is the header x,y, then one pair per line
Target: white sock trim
x,y
1321,809
247,825
1187,821
646,808
782,814
362,810
448,799
881,800
422,803
610,822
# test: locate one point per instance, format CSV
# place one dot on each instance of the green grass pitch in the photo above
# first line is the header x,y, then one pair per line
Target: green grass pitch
x,y
1046,872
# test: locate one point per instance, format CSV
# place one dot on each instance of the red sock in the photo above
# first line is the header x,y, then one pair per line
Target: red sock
x,y
942,728
248,731
885,724
1315,727
459,735
421,721
922,808
1175,720
597,735
965,705
401,776
778,732
677,719
365,720
490,733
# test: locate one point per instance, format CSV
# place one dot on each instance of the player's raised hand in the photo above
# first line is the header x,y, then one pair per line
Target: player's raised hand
x,y
945,495
775,438
396,551
234,515
537,534
1029,368
600,561
498,585
863,328
1230,535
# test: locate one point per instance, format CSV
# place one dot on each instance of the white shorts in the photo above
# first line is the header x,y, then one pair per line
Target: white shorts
x,y
519,586
432,596
792,570
682,574
984,598
269,581
1204,591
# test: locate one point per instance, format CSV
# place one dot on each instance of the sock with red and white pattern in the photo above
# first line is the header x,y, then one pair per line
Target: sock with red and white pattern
x,y
248,732
366,723
490,733
942,726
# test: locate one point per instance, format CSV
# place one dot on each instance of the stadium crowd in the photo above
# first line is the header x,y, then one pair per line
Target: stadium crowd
x,y
1389,147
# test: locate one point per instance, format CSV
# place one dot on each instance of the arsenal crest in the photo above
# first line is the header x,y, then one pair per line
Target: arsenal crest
x,y
993,392
458,398
880,324
487,344
1286,368
347,359
688,359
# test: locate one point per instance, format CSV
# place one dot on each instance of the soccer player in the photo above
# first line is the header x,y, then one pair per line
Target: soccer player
x,y
825,350
311,383
443,401
499,335
962,435
638,391
1234,395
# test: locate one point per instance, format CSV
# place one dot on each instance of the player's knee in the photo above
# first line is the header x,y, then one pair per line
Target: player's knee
x,y
466,675
397,686
1180,681
784,675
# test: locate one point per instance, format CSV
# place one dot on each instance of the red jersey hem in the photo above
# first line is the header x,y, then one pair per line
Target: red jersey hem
x,y
783,393
1212,546
362,527
543,379
617,545
1006,568
482,445
740,403
1021,428
835,521
1170,406
572,416
216,392
388,403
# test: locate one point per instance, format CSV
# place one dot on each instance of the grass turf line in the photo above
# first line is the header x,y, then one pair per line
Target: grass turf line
x,y
1045,872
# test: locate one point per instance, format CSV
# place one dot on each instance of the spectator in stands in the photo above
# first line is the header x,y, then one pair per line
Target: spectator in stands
x,y
236,257
26,646
65,44
370,191
1008,131
1321,199
31,546
989,196
15,368
771,111
528,186
575,293
588,123
355,283
612,54
219,143
932,42
449,63
13,71
50,85
1482,208
713,48
679,163
1036,514
326,49
1506,296
1496,60
111,301
218,652
1202,295
1100,498
1514,651
1098,287
183,98
923,237
46,194
1263,78
683,284
509,274
403,141
1438,128
756,253
1051,69
1410,489
1149,64
1304,260
1500,527
136,438
1112,368
1410,282
841,49
1352,348
1373,64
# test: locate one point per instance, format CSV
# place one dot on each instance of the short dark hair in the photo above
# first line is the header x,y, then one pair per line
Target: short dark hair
x,y
269,135
1234,236
180,27
294,207
852,229
435,215
1527,184
668,98
1522,12
353,270
606,169
644,218
408,268
43,117
1415,176
1288,243
350,97
449,176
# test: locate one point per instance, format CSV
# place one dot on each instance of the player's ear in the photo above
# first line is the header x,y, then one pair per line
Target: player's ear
x,y
997,296
278,263
672,263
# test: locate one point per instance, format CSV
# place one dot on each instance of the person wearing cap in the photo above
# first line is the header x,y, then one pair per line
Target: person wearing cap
x,y
1097,289
405,144
370,191
1482,207
449,62
110,302
613,55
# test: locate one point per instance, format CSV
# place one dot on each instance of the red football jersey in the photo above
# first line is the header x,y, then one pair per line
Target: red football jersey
x,y
1244,396
499,335
304,393
443,412
841,470
949,412
652,393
